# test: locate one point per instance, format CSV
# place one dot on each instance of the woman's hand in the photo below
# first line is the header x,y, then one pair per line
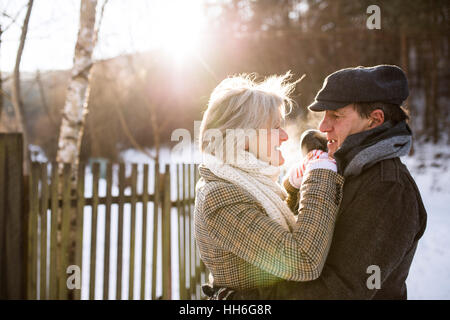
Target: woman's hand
x,y
315,159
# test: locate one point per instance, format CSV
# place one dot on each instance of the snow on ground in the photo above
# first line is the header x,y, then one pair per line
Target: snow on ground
x,y
429,277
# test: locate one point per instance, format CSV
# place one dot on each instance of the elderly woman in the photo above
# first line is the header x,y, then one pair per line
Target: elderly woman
x,y
246,233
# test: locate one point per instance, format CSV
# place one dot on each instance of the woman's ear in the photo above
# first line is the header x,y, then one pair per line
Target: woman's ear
x,y
376,118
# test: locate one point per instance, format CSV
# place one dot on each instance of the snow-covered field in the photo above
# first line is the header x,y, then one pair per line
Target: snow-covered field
x,y
429,276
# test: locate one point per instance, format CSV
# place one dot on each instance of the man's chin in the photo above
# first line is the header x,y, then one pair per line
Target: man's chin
x,y
331,153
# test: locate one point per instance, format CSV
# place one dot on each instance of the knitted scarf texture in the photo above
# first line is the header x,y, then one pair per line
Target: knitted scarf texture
x,y
259,179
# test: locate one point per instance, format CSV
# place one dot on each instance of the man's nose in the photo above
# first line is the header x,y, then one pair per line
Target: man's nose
x,y
324,125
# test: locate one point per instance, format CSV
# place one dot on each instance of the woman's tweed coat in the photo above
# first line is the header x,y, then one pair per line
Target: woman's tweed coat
x,y
243,248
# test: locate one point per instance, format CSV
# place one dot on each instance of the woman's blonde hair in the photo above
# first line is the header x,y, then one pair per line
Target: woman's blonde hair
x,y
239,102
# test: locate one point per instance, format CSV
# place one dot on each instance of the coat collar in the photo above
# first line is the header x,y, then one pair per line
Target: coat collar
x,y
369,147
206,174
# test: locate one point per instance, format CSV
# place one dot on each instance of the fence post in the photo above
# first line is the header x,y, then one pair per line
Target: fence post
x,y
13,239
166,249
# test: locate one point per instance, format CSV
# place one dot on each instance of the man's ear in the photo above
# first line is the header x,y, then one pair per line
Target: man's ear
x,y
376,118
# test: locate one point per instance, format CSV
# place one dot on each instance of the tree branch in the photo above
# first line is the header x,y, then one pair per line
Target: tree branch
x,y
16,99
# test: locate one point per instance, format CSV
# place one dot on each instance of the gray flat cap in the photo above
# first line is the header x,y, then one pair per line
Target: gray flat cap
x,y
382,83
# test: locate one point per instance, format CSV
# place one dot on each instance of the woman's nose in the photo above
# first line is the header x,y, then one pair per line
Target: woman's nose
x,y
283,135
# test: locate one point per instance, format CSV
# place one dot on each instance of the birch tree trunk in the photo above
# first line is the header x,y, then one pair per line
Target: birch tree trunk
x,y
16,98
73,119
75,107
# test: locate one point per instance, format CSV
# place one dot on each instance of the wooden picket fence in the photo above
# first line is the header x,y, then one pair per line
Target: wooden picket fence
x,y
54,230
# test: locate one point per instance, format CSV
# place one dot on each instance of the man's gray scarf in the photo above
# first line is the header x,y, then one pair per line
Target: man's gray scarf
x,y
364,149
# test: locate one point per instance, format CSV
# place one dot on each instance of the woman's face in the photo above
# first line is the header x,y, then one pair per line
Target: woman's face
x,y
268,141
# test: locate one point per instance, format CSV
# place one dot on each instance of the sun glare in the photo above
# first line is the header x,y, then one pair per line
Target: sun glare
x,y
178,28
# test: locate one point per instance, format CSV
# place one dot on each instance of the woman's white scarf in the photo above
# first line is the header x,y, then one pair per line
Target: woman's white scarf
x,y
258,178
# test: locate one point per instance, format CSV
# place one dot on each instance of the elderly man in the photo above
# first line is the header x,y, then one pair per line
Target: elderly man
x,y
381,217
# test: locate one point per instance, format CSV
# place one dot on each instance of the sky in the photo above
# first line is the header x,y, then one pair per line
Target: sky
x,y
127,26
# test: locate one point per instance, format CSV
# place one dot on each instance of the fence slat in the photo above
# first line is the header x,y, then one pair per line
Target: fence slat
x,y
65,225
193,285
3,182
165,230
79,223
43,214
193,245
155,230
120,231
133,231
144,229
54,251
187,229
94,217
181,234
32,232
14,218
107,231
198,270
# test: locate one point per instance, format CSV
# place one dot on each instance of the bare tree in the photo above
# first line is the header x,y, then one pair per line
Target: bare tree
x,y
16,99
74,113
156,124
76,105
3,29
45,105
118,107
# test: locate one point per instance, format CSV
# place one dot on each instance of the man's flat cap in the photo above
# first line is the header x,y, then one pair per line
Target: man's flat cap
x,y
383,83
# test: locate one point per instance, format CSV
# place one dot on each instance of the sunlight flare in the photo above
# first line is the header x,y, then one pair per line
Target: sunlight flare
x,y
178,26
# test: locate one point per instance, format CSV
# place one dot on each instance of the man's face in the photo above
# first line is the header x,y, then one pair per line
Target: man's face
x,y
339,124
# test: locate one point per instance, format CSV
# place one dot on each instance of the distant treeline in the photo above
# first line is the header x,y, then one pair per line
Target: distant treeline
x,y
128,90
